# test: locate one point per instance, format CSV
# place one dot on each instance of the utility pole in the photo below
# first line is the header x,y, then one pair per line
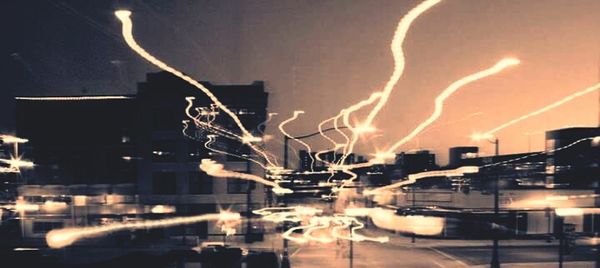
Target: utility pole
x,y
413,238
561,240
495,263
351,253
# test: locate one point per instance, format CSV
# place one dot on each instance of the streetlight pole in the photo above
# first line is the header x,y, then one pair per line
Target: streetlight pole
x,y
495,263
286,141
561,240
351,253
413,238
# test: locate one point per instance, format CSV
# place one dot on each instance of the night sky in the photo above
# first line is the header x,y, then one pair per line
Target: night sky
x,y
322,55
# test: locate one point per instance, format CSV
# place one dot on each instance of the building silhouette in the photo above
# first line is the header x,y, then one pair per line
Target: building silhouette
x,y
575,166
122,156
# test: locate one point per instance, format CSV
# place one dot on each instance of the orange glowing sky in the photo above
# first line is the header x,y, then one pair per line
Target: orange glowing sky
x,y
320,56
337,53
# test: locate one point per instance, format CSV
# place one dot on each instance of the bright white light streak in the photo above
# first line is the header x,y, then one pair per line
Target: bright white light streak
x,y
60,238
18,163
211,139
357,131
215,169
545,108
127,31
345,223
309,150
398,54
412,178
399,62
440,99
12,139
224,132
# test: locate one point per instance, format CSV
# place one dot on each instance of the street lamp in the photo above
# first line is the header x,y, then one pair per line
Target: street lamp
x,y
494,140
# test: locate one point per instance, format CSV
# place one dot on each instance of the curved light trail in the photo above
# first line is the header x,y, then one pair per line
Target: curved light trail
x,y
60,238
309,150
439,100
215,169
127,32
543,109
412,178
399,62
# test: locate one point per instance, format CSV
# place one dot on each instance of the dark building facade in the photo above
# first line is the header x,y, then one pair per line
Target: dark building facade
x,y
79,139
138,143
458,155
169,154
415,162
573,157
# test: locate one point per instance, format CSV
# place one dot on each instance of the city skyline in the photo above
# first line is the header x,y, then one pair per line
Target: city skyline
x,y
307,65
259,133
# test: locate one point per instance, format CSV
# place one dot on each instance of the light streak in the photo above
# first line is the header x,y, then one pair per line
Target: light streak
x,y
289,233
544,109
398,54
337,129
54,206
162,209
315,224
215,169
415,224
127,32
318,223
320,127
549,201
439,100
565,212
541,153
60,238
381,157
21,206
346,222
18,163
12,139
290,214
309,150
75,98
224,132
264,123
211,139
412,178
362,128
399,62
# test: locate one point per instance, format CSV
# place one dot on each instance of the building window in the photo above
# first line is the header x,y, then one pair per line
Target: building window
x,y
163,151
200,183
164,183
237,186
42,227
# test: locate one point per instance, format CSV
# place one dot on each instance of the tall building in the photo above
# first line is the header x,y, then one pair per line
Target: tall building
x,y
305,160
169,171
414,162
573,157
